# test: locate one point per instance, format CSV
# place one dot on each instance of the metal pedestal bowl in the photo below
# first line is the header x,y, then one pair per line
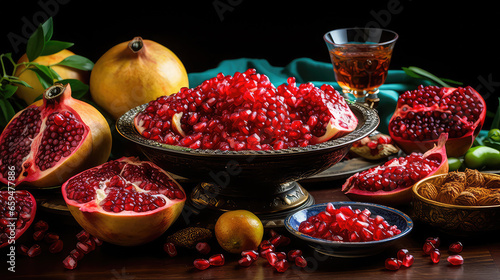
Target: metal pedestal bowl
x,y
264,182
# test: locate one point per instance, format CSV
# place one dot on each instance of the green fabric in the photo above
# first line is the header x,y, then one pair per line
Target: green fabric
x,y
308,70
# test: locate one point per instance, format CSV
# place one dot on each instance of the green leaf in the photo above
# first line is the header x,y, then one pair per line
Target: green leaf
x,y
78,62
7,111
8,90
78,88
44,75
36,42
48,29
53,46
428,75
19,82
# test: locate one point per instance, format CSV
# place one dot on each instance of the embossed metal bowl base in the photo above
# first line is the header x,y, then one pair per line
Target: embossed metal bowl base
x,y
263,182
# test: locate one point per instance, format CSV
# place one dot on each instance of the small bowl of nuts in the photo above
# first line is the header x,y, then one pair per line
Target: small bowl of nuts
x,y
458,203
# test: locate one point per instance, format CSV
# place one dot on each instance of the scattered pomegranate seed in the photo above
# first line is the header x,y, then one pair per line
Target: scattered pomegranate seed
x,y
435,256
34,251
408,260
201,264
402,254
84,248
69,262
38,235
265,252
83,236
292,254
76,254
203,248
300,261
282,265
41,226
23,250
51,237
245,261
56,246
216,260
428,248
392,264
91,244
456,247
281,255
97,241
253,254
265,244
436,241
272,258
456,260
272,233
169,247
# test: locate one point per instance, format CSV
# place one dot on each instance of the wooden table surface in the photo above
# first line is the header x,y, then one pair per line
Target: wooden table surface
x,y
481,254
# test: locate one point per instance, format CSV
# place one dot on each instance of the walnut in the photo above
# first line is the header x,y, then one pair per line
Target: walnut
x,y
492,181
428,190
478,192
492,199
459,187
455,176
447,194
474,178
466,198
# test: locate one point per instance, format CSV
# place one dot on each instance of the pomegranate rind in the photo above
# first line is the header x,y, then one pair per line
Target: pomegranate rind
x,y
27,224
398,196
126,228
93,150
455,147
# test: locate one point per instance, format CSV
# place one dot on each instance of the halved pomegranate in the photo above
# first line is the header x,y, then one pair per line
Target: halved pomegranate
x,y
125,201
423,114
390,183
53,139
246,112
17,211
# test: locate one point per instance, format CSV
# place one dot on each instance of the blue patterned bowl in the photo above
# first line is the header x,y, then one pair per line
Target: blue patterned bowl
x,y
349,249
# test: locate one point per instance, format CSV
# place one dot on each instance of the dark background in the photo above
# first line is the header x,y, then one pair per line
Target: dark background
x,y
457,41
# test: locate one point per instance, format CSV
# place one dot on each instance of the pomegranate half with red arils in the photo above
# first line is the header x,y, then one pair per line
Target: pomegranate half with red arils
x,y
53,139
390,183
17,212
125,201
246,112
423,114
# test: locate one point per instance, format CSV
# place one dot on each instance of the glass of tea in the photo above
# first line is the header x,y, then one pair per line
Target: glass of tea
x,y
360,58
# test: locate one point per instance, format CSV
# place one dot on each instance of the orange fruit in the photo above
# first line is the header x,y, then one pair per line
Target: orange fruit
x,y
29,94
239,230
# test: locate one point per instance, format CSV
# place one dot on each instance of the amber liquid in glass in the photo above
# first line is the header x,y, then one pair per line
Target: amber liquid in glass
x,y
359,67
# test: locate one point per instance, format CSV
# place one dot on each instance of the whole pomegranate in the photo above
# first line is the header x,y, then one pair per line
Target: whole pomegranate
x,y
29,94
423,114
246,112
17,212
133,73
390,183
53,139
125,201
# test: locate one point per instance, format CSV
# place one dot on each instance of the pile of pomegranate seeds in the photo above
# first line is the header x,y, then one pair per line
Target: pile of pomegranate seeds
x,y
246,112
347,225
399,172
